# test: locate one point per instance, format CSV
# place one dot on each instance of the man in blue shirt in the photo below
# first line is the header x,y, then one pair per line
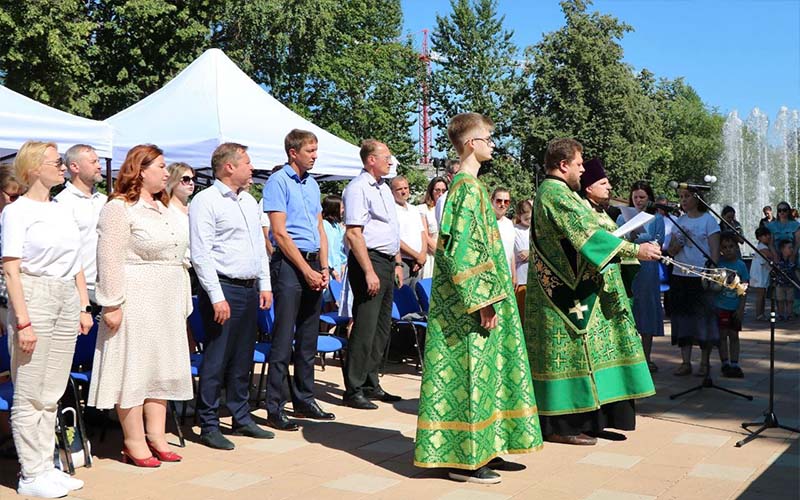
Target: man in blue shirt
x,y
300,273
230,258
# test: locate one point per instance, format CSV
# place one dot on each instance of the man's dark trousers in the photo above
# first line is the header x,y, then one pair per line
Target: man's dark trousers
x,y
227,356
372,321
297,309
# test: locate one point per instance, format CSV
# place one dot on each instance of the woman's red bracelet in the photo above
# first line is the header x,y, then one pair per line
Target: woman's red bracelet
x,y
23,326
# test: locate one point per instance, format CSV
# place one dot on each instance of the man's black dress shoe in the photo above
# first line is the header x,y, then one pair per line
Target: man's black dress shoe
x,y
281,422
360,402
253,431
313,411
215,439
381,395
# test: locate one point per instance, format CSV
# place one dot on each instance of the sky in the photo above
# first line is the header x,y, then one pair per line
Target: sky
x,y
737,54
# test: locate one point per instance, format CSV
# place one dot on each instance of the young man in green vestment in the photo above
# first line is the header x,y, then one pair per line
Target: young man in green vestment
x,y
476,399
586,357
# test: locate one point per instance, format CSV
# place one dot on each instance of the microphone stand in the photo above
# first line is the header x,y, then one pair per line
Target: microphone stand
x,y
708,382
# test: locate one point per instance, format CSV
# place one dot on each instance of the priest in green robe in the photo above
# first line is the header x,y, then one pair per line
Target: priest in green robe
x,y
476,399
586,357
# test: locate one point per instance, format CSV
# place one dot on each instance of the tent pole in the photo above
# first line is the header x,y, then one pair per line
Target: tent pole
x,y
109,184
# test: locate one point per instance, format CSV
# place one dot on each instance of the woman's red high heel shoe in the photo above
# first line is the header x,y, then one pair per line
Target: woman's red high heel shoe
x,y
150,461
164,456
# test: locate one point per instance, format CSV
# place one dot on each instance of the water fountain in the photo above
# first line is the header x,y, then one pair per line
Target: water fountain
x,y
758,168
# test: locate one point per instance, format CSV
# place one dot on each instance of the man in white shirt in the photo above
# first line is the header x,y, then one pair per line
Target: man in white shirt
x,y
372,265
85,201
501,200
230,258
412,232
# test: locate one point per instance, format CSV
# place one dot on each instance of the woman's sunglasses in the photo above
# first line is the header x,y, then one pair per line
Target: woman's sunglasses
x,y
186,179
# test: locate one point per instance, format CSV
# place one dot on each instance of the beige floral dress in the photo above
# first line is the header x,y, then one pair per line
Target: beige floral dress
x,y
140,267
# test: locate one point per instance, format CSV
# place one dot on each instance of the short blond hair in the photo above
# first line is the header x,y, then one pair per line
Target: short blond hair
x,y
368,148
464,124
225,153
29,158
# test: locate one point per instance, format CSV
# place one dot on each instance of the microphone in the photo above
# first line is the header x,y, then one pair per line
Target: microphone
x,y
686,185
667,207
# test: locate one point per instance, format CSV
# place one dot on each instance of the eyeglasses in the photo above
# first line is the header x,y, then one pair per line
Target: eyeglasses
x,y
783,210
187,179
56,163
12,197
487,140
387,158
439,190
498,201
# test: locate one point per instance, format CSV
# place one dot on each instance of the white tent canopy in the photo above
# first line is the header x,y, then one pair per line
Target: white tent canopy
x,y
212,101
23,119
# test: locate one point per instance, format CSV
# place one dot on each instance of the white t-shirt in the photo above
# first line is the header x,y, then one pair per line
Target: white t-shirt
x,y
44,236
522,243
508,234
410,221
430,217
86,211
699,228
265,220
439,209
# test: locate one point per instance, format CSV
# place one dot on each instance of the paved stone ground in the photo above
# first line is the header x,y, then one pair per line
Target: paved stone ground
x,y
682,448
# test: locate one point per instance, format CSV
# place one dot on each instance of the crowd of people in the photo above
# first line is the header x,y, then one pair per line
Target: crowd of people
x,y
540,328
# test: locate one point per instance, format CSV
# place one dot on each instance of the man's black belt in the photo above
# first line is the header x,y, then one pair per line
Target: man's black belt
x,y
236,281
381,254
311,256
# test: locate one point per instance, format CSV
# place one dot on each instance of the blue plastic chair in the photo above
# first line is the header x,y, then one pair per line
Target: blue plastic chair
x,y
404,303
663,277
266,321
423,290
81,374
332,318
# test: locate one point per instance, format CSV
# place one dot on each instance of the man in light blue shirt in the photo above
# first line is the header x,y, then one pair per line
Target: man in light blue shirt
x,y
300,273
373,267
230,258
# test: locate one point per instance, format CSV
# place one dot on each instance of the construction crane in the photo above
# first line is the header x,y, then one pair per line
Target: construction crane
x,y
424,110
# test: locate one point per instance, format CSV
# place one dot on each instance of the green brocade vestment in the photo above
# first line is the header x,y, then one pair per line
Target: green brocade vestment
x,y
581,336
476,399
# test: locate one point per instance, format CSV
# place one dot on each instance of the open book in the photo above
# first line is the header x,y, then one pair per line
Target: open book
x,y
633,223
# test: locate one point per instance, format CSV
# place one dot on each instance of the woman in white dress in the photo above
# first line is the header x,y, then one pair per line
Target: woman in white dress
x,y
142,357
436,188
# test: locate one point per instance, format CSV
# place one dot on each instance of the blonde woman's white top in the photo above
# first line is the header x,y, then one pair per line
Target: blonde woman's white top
x,y
44,236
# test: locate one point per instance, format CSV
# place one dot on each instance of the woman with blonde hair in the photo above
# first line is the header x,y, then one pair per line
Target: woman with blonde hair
x,y
49,304
142,357
180,186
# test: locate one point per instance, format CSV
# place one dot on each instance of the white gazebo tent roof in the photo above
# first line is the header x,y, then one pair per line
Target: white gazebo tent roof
x,y
23,119
212,101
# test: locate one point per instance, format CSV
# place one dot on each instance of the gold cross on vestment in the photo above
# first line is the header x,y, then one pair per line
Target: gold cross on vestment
x,y
559,336
578,310
558,361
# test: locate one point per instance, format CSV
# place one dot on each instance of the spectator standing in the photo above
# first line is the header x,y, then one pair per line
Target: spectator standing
x,y
501,201
413,234
452,168
373,265
522,245
300,273
760,270
785,227
230,257
82,198
784,288
436,188
730,307
768,217
332,214
142,358
48,305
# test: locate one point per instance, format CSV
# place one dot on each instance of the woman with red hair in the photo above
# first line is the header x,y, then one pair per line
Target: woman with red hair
x,y
142,357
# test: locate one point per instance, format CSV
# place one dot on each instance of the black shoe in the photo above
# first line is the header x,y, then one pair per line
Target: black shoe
x,y
498,463
313,411
726,370
360,402
253,431
607,435
736,372
381,395
215,439
484,475
281,422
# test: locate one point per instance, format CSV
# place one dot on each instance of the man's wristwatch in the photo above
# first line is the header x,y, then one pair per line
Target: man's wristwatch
x,y
87,309
398,264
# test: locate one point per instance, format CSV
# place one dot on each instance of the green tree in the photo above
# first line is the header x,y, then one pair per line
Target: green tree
x,y
475,69
142,44
44,51
578,86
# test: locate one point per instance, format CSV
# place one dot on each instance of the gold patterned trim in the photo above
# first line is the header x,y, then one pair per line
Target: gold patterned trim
x,y
469,273
487,302
454,465
585,373
479,426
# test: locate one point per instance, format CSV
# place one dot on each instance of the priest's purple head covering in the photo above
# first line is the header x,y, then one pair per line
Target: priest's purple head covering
x,y
593,172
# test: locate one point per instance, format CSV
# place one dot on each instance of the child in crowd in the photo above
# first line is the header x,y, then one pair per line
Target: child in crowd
x,y
759,270
730,307
784,289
